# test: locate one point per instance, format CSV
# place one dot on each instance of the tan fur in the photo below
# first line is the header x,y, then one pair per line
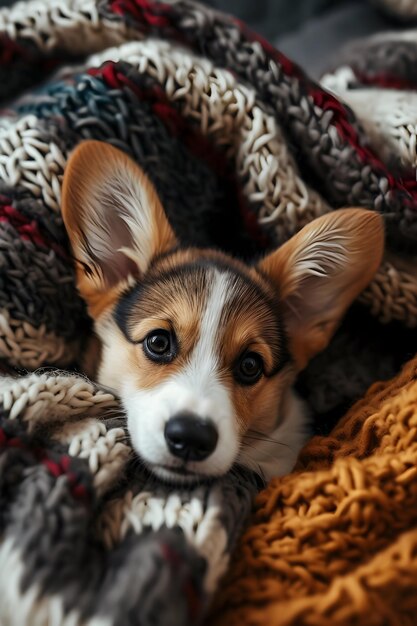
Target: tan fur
x,y
254,404
120,356
344,249
180,309
99,301
257,405
91,162
306,286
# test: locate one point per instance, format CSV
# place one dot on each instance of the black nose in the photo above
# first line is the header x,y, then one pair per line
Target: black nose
x,y
189,437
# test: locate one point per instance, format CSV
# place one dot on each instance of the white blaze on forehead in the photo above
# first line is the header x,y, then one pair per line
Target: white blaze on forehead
x,y
196,389
204,359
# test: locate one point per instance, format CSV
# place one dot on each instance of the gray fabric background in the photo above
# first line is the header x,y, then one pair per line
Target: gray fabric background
x,y
309,32
316,42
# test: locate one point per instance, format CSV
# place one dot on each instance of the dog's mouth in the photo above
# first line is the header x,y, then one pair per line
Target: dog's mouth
x,y
181,470
178,474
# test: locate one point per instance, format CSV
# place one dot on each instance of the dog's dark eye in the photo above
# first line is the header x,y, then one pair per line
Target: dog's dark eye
x,y
249,369
158,346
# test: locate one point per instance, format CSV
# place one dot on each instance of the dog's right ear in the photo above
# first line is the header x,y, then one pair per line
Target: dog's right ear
x,y
320,271
114,219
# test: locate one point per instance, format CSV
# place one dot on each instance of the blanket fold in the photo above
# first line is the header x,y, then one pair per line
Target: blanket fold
x,y
86,533
244,149
335,542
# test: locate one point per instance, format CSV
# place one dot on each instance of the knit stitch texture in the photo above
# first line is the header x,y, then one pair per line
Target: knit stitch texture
x,y
335,543
244,149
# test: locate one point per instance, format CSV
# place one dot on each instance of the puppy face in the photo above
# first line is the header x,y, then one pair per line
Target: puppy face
x,y
202,338
201,348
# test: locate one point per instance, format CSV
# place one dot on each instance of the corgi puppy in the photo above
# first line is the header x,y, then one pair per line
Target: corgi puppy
x,y
201,348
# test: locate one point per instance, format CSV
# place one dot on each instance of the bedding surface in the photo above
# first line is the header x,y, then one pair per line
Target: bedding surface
x,y
244,149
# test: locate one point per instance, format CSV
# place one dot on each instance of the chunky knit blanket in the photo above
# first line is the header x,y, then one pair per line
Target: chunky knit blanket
x,y
335,543
244,150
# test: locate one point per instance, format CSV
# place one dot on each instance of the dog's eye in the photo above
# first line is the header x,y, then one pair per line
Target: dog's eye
x,y
249,369
158,346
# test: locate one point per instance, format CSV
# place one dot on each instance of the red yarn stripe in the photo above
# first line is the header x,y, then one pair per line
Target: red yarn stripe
x,y
189,589
195,142
62,468
55,468
142,9
289,67
386,81
340,121
27,229
11,52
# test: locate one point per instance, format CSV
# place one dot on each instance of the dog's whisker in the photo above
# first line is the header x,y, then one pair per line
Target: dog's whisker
x,y
246,461
217,296
268,440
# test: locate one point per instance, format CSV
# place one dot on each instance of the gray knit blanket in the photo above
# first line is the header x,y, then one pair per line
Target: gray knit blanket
x,y
244,150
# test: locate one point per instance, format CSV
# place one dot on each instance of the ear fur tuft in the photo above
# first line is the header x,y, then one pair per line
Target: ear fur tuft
x,y
114,219
320,271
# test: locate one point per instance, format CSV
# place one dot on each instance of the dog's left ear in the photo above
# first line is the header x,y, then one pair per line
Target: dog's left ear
x,y
114,219
320,271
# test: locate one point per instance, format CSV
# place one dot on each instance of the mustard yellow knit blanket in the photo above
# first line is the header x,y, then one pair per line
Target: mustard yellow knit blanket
x,y
335,543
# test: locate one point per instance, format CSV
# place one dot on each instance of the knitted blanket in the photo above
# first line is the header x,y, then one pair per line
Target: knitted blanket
x,y
244,150
335,543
